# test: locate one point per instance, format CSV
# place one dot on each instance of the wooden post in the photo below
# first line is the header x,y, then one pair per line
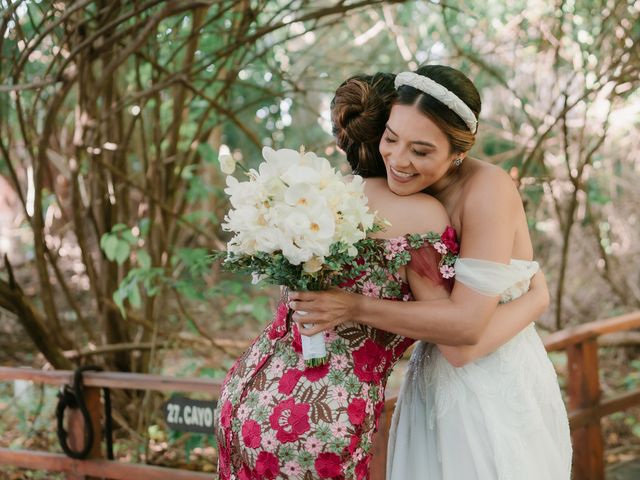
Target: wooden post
x,y
76,428
584,393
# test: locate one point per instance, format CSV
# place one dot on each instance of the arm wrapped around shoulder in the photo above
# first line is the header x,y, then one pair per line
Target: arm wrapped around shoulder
x,y
425,261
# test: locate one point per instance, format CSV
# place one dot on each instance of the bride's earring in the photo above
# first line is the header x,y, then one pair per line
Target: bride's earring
x,y
458,161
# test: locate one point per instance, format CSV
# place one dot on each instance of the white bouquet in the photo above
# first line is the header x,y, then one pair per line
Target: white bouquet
x,y
300,223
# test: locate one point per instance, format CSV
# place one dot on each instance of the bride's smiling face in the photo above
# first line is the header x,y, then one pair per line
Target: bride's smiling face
x,y
415,151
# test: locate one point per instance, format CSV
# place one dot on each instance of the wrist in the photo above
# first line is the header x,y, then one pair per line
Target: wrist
x,y
358,308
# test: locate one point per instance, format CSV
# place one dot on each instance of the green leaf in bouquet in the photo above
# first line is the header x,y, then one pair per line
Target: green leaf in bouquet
x,y
392,289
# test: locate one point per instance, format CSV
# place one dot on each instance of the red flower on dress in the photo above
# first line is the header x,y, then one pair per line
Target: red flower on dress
x,y
314,374
353,444
370,361
279,325
450,240
225,414
267,465
224,463
362,469
402,346
288,381
296,344
377,411
290,420
328,465
356,411
352,281
378,408
348,283
251,434
245,473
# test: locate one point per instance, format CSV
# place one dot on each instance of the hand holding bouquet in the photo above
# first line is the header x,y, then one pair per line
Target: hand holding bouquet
x,y
300,223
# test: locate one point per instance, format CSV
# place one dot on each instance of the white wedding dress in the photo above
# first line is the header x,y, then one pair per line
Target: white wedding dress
x,y
499,418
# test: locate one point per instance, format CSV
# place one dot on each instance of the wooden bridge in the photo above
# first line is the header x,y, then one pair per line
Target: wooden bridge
x,y
585,406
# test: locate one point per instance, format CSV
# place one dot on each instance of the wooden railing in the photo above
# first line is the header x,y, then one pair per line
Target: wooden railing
x,y
585,406
95,465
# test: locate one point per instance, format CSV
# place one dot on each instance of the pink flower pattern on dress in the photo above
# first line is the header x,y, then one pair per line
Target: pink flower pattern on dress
x,y
313,445
281,420
440,247
447,272
395,246
339,429
269,442
370,289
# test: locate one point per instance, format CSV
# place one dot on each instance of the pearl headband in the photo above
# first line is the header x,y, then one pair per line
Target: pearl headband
x,y
440,93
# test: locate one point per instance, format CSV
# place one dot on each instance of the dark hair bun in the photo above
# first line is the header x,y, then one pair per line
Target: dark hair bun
x,y
359,113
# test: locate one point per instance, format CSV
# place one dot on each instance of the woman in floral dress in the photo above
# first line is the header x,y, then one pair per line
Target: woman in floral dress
x,y
280,419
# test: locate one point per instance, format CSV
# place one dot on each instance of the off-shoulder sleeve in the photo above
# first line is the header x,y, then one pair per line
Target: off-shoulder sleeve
x,y
492,278
425,262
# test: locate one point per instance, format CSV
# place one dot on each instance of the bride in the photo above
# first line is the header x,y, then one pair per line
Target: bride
x,y
477,403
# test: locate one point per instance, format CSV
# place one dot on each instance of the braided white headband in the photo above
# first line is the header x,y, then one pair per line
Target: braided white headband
x,y
440,93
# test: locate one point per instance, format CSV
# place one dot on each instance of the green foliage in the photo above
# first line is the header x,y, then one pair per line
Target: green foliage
x,y
276,269
117,244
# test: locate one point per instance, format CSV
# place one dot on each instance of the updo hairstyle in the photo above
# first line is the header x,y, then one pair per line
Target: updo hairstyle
x,y
359,112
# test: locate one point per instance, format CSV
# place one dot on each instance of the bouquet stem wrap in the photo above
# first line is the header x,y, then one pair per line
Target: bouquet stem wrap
x,y
314,351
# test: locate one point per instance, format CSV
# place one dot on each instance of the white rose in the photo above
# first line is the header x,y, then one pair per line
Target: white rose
x,y
313,265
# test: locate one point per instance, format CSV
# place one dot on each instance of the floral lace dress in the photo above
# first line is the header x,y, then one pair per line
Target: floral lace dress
x,y
280,419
